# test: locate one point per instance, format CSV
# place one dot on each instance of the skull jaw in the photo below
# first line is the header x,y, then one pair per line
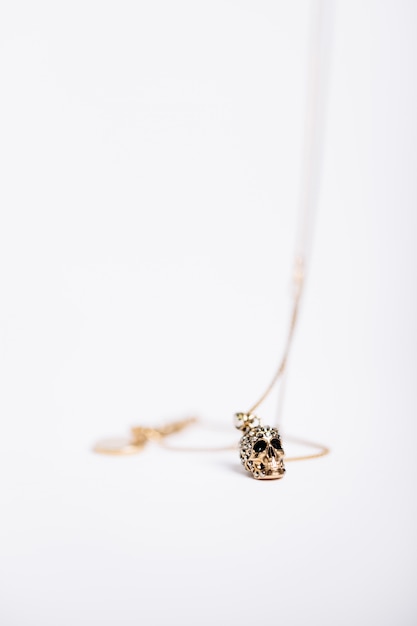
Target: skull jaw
x,y
273,475
268,469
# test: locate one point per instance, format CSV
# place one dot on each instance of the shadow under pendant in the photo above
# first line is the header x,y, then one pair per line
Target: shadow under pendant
x,y
261,451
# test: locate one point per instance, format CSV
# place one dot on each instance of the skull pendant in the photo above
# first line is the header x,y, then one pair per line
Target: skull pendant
x,y
261,451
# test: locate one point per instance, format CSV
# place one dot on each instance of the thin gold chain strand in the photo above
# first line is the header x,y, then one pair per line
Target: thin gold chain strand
x,y
298,286
141,435
322,450
312,159
310,173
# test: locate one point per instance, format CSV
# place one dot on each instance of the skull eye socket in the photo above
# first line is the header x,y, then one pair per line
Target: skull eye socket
x,y
259,446
276,444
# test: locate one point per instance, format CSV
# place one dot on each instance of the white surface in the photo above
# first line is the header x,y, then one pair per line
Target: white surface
x,y
150,157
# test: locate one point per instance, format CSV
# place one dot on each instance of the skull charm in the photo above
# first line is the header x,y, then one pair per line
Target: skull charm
x,y
261,451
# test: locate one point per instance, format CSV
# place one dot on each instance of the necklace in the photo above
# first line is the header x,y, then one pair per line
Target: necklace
x,y
261,451
260,447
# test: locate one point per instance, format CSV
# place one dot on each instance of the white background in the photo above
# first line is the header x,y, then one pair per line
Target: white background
x,y
150,165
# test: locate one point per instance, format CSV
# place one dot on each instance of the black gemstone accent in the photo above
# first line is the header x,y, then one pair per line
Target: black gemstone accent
x,y
259,446
276,444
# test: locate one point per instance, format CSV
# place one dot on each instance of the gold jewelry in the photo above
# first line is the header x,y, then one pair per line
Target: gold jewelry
x,y
261,451
260,447
139,437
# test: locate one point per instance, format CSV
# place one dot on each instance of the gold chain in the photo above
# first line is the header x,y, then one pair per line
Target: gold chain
x,y
298,282
322,450
142,435
139,437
